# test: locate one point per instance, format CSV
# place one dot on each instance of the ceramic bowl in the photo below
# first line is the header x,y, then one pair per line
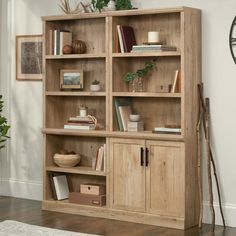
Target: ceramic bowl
x,y
134,117
66,160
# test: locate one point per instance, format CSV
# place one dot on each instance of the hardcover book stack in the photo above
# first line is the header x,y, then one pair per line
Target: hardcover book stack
x,y
152,48
81,123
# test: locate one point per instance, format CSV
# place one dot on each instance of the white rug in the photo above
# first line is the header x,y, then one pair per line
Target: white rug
x,y
15,228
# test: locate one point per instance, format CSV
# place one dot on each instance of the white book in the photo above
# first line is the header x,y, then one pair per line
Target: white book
x,y
65,39
80,127
174,85
164,129
104,157
120,39
61,187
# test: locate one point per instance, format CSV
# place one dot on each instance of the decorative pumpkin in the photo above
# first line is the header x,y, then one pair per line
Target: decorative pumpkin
x,y
78,47
67,49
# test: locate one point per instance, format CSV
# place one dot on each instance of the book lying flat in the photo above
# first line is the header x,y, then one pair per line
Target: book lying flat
x,y
80,127
167,130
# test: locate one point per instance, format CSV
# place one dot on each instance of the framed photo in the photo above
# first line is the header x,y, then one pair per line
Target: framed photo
x,y
29,50
71,79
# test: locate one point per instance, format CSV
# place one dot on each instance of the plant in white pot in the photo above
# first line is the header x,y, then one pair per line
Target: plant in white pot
x,y
95,86
4,127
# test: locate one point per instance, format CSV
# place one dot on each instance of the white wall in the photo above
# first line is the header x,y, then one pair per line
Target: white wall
x,y
22,171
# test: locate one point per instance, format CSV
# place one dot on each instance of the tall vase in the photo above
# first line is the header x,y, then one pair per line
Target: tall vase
x,y
111,6
136,85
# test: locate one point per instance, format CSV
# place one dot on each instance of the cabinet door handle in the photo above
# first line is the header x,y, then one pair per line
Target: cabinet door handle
x,y
141,156
147,157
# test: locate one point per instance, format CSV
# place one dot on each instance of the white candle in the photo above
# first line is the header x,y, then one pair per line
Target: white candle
x,y
153,36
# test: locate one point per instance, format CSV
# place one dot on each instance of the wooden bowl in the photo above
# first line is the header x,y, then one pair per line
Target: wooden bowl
x,y
66,160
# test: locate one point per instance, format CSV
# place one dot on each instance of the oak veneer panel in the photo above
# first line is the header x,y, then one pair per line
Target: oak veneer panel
x,y
165,178
127,179
91,31
59,109
162,74
86,146
92,69
167,24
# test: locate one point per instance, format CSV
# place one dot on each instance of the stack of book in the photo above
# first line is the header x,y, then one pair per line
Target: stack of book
x,y
57,40
125,39
123,110
100,158
81,123
152,48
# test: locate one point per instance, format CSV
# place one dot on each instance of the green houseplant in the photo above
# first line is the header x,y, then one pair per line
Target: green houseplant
x,y
135,79
95,86
4,127
123,5
99,4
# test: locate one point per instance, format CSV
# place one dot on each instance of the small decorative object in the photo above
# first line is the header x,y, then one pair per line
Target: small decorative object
x,y
66,8
135,79
71,79
95,86
98,5
67,49
78,47
29,57
123,5
111,6
83,111
163,88
135,126
153,37
66,159
134,117
4,127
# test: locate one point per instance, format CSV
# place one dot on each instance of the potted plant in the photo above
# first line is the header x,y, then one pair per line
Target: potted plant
x,y
99,4
4,127
95,86
123,5
135,79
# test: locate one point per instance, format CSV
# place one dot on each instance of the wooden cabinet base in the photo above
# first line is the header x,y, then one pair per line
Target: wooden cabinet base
x,y
105,212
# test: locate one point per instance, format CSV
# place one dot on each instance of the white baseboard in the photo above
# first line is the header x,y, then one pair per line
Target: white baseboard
x,y
229,211
21,189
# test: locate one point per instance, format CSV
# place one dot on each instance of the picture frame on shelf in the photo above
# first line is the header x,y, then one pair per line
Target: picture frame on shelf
x,y
29,51
71,79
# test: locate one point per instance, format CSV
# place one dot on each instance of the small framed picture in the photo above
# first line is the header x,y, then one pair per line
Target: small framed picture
x,y
29,50
71,79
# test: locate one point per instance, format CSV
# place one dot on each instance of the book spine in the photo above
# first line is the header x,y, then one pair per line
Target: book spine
x,y
118,116
80,127
124,40
120,39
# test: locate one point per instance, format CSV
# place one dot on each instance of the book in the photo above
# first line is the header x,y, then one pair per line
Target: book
x,y
104,157
80,127
51,182
121,102
128,37
167,130
100,157
57,41
65,39
61,187
157,47
120,39
174,87
125,111
80,118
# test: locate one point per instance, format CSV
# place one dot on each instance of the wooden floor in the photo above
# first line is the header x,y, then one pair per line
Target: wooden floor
x,y
29,211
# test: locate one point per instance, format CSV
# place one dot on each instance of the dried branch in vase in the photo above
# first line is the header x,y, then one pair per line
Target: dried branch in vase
x,y
79,7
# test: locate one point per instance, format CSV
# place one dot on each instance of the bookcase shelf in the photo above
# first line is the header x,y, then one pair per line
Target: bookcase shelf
x,y
150,177
143,94
148,54
75,93
83,170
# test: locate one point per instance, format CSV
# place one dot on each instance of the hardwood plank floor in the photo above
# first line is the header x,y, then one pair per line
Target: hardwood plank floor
x,y
29,211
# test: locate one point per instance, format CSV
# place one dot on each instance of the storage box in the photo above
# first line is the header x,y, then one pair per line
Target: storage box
x,y
95,189
135,126
87,199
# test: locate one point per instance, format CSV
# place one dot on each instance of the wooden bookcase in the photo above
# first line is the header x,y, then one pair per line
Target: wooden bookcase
x,y
162,191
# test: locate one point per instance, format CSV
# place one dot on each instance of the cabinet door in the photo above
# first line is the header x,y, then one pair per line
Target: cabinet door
x,y
165,178
127,175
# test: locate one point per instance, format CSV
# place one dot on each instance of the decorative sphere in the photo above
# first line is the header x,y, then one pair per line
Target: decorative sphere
x,y
78,47
67,49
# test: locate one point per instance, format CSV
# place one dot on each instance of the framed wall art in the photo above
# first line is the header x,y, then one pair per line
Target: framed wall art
x,y
29,51
71,79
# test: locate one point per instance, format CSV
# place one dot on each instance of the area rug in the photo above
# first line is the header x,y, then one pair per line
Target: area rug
x,y
15,228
